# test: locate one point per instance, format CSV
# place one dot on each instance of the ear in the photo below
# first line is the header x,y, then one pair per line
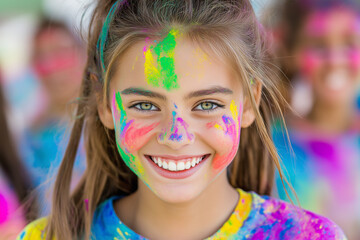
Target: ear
x,y
105,113
249,114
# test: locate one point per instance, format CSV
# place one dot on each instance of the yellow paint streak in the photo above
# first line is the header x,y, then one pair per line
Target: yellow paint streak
x,y
121,235
235,114
236,220
218,127
151,71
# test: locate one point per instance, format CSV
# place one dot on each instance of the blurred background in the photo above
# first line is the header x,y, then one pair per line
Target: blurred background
x,y
316,44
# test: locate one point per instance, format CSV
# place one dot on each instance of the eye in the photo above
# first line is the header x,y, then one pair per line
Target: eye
x,y
145,106
207,106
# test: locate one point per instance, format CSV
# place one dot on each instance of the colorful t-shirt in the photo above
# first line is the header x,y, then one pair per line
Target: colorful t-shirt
x,y
12,219
324,171
255,217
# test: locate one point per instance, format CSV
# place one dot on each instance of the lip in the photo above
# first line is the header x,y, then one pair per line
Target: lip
x,y
179,174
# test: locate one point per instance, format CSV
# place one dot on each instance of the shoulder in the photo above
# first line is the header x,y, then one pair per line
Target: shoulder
x,y
35,230
281,220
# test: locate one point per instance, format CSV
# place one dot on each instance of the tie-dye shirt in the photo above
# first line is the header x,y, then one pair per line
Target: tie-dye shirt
x,y
255,217
324,170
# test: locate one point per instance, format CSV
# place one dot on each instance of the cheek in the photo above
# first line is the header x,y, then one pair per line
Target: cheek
x,y
135,136
226,135
309,63
354,58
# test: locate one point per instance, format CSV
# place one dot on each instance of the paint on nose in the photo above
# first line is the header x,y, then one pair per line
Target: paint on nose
x,y
178,128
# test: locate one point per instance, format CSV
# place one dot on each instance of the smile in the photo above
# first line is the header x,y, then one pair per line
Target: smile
x,y
178,164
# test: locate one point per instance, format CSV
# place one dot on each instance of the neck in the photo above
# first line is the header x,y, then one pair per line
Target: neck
x,y
156,219
335,118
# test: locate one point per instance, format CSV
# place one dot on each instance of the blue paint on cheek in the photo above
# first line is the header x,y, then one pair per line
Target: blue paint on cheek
x,y
22,235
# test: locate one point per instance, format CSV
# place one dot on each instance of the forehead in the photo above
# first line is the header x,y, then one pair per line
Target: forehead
x,y
336,21
193,67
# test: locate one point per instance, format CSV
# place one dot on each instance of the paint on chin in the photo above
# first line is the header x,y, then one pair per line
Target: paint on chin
x,y
230,128
129,136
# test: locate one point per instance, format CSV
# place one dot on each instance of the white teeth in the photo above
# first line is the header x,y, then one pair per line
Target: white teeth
x,y
180,166
165,165
172,166
188,165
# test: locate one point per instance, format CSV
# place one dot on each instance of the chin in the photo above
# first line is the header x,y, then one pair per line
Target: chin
x,y
178,194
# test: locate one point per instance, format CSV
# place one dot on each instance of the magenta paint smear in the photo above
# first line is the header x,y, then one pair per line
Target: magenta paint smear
x,y
4,211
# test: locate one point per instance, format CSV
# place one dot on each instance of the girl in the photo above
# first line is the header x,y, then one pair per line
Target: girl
x,y
168,86
324,38
58,61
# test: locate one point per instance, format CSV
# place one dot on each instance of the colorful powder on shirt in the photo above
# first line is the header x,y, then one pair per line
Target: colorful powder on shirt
x,y
163,70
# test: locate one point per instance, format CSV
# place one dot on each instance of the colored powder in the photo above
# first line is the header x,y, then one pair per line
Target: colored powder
x,y
134,133
230,127
121,125
164,72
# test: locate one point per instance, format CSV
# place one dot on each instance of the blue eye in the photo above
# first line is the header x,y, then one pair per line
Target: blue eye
x,y
207,106
145,106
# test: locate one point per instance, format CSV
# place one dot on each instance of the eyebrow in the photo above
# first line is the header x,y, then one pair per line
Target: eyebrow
x,y
142,92
210,91
199,93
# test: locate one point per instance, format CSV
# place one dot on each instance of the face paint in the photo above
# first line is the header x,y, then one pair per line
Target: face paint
x,y
129,136
231,128
162,73
175,134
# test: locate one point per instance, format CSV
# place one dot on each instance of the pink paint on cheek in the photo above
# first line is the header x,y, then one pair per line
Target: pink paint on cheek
x,y
134,137
229,128
355,59
309,62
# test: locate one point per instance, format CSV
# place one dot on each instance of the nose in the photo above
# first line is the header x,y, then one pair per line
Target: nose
x,y
336,57
176,133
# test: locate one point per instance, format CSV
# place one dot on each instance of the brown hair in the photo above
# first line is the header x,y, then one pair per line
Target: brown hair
x,y
13,168
229,29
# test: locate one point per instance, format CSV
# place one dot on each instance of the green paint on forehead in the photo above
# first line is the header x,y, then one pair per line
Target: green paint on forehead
x,y
164,73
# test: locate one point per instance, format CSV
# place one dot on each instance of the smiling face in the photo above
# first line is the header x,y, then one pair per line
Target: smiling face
x,y
177,136
329,54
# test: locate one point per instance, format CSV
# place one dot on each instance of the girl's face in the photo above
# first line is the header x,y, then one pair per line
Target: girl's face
x,y
329,54
177,115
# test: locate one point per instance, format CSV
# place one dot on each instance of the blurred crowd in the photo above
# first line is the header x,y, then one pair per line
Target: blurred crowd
x,y
316,44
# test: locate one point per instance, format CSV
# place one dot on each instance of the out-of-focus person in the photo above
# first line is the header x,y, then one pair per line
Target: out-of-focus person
x,y
319,50
58,61
15,187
